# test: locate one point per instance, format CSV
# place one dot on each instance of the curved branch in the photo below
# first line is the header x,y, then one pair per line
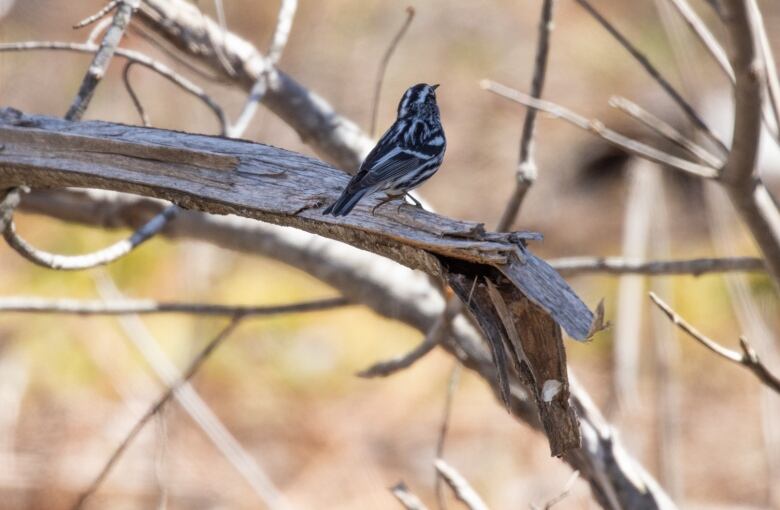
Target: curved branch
x,y
133,56
98,258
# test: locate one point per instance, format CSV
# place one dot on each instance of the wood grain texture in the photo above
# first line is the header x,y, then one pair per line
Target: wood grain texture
x,y
224,176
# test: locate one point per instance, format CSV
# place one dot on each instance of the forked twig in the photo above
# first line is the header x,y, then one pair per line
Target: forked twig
x,y
278,43
101,60
748,359
526,167
194,366
627,144
640,57
665,130
380,74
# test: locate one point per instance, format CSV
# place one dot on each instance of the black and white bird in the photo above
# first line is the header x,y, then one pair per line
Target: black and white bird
x,y
409,153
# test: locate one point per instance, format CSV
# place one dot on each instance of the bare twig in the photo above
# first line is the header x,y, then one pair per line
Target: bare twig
x,y
640,57
102,12
194,366
136,101
407,499
131,55
331,135
149,307
770,67
98,258
526,168
444,427
380,73
102,58
560,496
192,403
278,42
749,359
617,265
628,144
705,36
460,486
434,337
666,130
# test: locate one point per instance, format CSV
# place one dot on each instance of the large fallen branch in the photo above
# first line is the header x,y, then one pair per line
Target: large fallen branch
x,y
219,175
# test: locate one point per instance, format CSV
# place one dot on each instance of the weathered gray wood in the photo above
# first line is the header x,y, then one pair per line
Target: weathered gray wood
x,y
220,175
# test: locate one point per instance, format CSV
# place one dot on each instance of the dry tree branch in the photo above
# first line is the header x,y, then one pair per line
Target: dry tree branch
x,y
654,73
407,499
133,56
748,359
194,366
526,168
380,74
617,265
594,126
98,258
278,43
460,486
390,290
753,201
665,130
148,307
101,60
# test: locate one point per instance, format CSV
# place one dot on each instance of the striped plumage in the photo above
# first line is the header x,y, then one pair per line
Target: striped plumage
x,y
407,154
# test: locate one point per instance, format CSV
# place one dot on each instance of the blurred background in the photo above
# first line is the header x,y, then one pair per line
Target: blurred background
x,y
286,387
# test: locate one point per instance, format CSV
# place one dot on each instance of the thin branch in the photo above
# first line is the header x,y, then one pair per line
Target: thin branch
x,y
617,265
98,258
148,307
441,328
770,67
594,126
666,130
755,204
131,55
444,427
640,57
460,486
256,94
562,495
101,13
194,366
102,58
748,359
223,31
526,168
136,101
380,73
705,36
407,499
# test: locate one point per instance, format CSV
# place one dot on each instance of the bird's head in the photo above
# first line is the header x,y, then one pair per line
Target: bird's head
x,y
419,100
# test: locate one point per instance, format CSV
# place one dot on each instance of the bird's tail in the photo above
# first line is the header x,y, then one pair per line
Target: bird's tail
x,y
346,202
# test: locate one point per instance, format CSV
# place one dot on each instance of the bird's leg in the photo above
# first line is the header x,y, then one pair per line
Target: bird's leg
x,y
416,202
383,202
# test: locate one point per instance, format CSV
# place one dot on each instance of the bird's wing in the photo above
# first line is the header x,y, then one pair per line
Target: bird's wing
x,y
390,165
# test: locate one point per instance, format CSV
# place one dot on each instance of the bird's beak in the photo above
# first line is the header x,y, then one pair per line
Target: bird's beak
x,y
434,87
